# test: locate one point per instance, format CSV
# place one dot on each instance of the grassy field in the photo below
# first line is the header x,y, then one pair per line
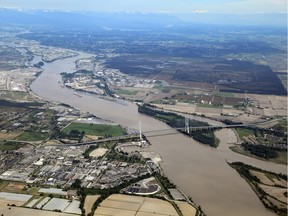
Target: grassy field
x,y
16,96
281,126
209,106
223,94
95,129
32,136
6,146
125,92
3,184
243,132
281,159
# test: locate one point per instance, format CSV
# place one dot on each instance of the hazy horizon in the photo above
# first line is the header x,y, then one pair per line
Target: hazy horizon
x,y
30,16
196,6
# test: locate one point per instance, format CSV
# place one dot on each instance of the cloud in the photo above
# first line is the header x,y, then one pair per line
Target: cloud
x,y
200,11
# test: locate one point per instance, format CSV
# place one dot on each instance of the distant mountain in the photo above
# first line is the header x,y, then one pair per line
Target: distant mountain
x,y
248,19
85,19
134,20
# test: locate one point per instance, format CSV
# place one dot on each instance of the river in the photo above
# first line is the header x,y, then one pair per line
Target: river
x,y
199,170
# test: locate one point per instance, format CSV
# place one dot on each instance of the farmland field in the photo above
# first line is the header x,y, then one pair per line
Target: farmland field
x,y
185,108
16,96
42,202
53,191
14,188
14,211
99,152
95,129
32,136
14,196
125,205
186,209
229,75
32,202
11,135
243,132
57,204
4,145
73,207
89,201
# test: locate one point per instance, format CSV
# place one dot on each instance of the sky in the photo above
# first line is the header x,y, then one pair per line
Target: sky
x,y
195,6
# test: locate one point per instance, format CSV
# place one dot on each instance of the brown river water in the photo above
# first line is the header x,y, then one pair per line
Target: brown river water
x,y
200,171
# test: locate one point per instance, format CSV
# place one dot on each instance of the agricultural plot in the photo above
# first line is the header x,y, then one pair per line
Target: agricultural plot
x,y
99,152
73,208
57,204
32,202
53,191
14,211
15,197
208,111
42,202
16,96
14,188
157,206
89,201
113,212
125,205
8,136
6,146
275,192
183,107
228,75
118,204
186,209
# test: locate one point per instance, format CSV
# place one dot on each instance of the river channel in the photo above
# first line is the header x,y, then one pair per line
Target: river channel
x,y
199,170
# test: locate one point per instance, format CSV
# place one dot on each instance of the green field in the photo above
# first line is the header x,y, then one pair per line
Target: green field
x,y
243,132
125,92
281,126
95,129
208,106
223,94
32,136
6,146
16,96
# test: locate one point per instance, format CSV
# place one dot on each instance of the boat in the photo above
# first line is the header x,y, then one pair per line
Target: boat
x,y
77,94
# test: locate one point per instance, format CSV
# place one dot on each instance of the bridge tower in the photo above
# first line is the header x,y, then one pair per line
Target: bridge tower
x,y
187,128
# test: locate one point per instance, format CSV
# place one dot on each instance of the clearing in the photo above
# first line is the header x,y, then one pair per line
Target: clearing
x,y
99,152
